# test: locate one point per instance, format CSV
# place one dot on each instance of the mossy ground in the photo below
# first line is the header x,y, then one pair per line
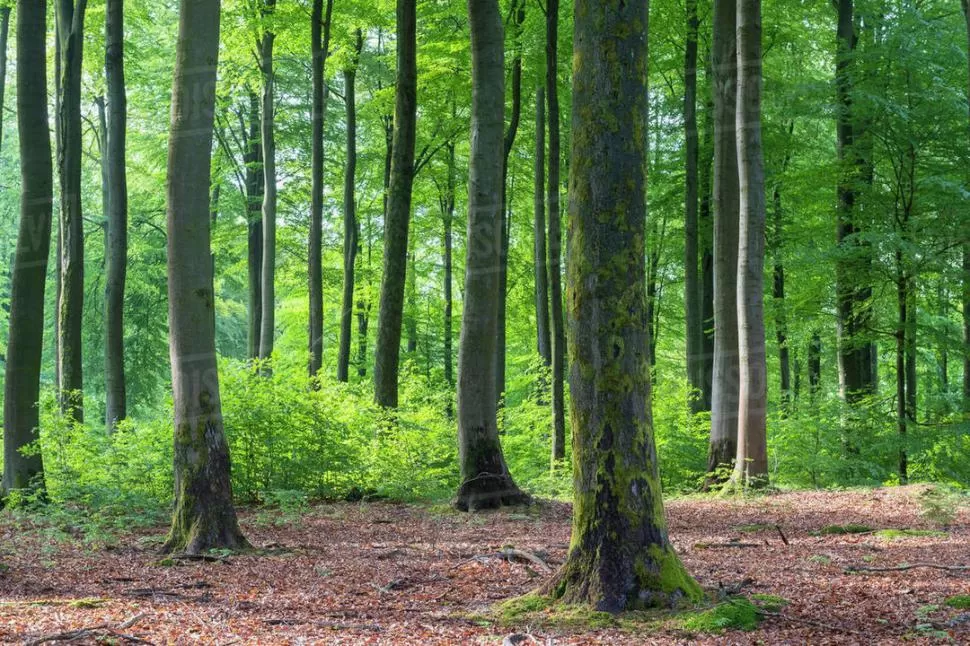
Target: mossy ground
x,y
959,602
896,534
836,530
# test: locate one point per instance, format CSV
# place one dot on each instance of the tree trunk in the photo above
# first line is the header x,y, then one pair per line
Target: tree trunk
x,y
724,387
902,414
4,37
620,557
751,466
350,215
543,342
814,365
204,517
267,324
555,235
485,479
70,18
778,285
116,249
966,262
26,323
517,12
254,200
707,258
692,281
319,50
448,218
398,216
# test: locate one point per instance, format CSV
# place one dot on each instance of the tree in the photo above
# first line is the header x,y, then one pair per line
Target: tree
x,y
253,158
692,279
116,249
26,327
966,264
620,557
724,387
320,49
267,326
351,226
543,341
203,517
751,466
485,479
70,307
398,215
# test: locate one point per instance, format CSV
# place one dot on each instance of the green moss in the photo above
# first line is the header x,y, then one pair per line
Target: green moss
x,y
960,602
671,578
735,614
851,528
821,559
770,602
514,608
754,528
540,610
896,534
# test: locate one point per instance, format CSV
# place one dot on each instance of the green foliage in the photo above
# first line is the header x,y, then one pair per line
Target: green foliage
x,y
898,534
959,602
770,602
938,505
735,614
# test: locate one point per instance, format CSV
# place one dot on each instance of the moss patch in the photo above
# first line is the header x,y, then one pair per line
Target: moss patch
x,y
960,602
754,528
769,602
734,614
896,534
851,528
539,610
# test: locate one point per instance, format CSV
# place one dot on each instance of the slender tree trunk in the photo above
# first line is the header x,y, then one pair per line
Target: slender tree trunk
x,y
707,257
363,298
485,479
398,215
543,342
966,261
4,37
724,388
778,286
319,50
350,215
411,307
26,323
116,249
254,200
555,235
814,365
911,378
448,218
70,18
267,324
902,414
619,557
204,517
58,154
751,467
692,280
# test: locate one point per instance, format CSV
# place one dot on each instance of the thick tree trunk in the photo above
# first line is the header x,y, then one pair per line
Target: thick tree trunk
x,y
751,466
116,247
620,557
692,279
724,387
485,479
319,50
543,342
26,323
351,234
70,18
204,517
398,216
254,200
555,235
267,324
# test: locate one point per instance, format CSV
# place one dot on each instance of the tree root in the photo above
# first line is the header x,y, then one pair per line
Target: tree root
x,y
858,569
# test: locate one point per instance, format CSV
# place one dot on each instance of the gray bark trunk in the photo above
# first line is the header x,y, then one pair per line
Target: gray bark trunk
x,y
397,221
204,517
707,257
485,479
778,285
543,341
116,247
26,323
254,200
692,280
267,325
448,218
966,263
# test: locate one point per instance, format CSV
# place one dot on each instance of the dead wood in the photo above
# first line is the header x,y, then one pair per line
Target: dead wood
x,y
910,566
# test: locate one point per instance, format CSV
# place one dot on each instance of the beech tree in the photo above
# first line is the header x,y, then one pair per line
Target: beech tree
x,y
619,557
267,325
204,516
29,274
692,279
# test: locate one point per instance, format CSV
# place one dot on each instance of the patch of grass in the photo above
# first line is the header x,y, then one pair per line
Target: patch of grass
x,y
754,528
959,602
851,528
896,534
821,559
536,609
735,614
770,602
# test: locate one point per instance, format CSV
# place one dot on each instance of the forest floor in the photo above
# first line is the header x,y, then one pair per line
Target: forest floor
x,y
380,573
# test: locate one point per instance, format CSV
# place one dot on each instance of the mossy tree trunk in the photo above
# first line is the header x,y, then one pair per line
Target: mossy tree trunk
x,y
724,387
485,479
26,323
204,516
619,557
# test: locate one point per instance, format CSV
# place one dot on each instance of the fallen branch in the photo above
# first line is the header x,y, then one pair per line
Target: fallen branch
x,y
322,624
712,546
511,553
205,558
784,539
912,566
101,632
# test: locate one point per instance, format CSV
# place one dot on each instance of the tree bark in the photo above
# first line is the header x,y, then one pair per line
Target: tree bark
x,y
543,342
351,233
4,37
751,466
254,200
485,479
692,281
966,261
814,365
204,517
555,235
116,249
778,285
267,324
724,387
319,50
448,218
70,18
26,323
620,557
707,258
387,353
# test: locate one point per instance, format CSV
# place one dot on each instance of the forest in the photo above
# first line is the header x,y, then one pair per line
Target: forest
x,y
485,321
